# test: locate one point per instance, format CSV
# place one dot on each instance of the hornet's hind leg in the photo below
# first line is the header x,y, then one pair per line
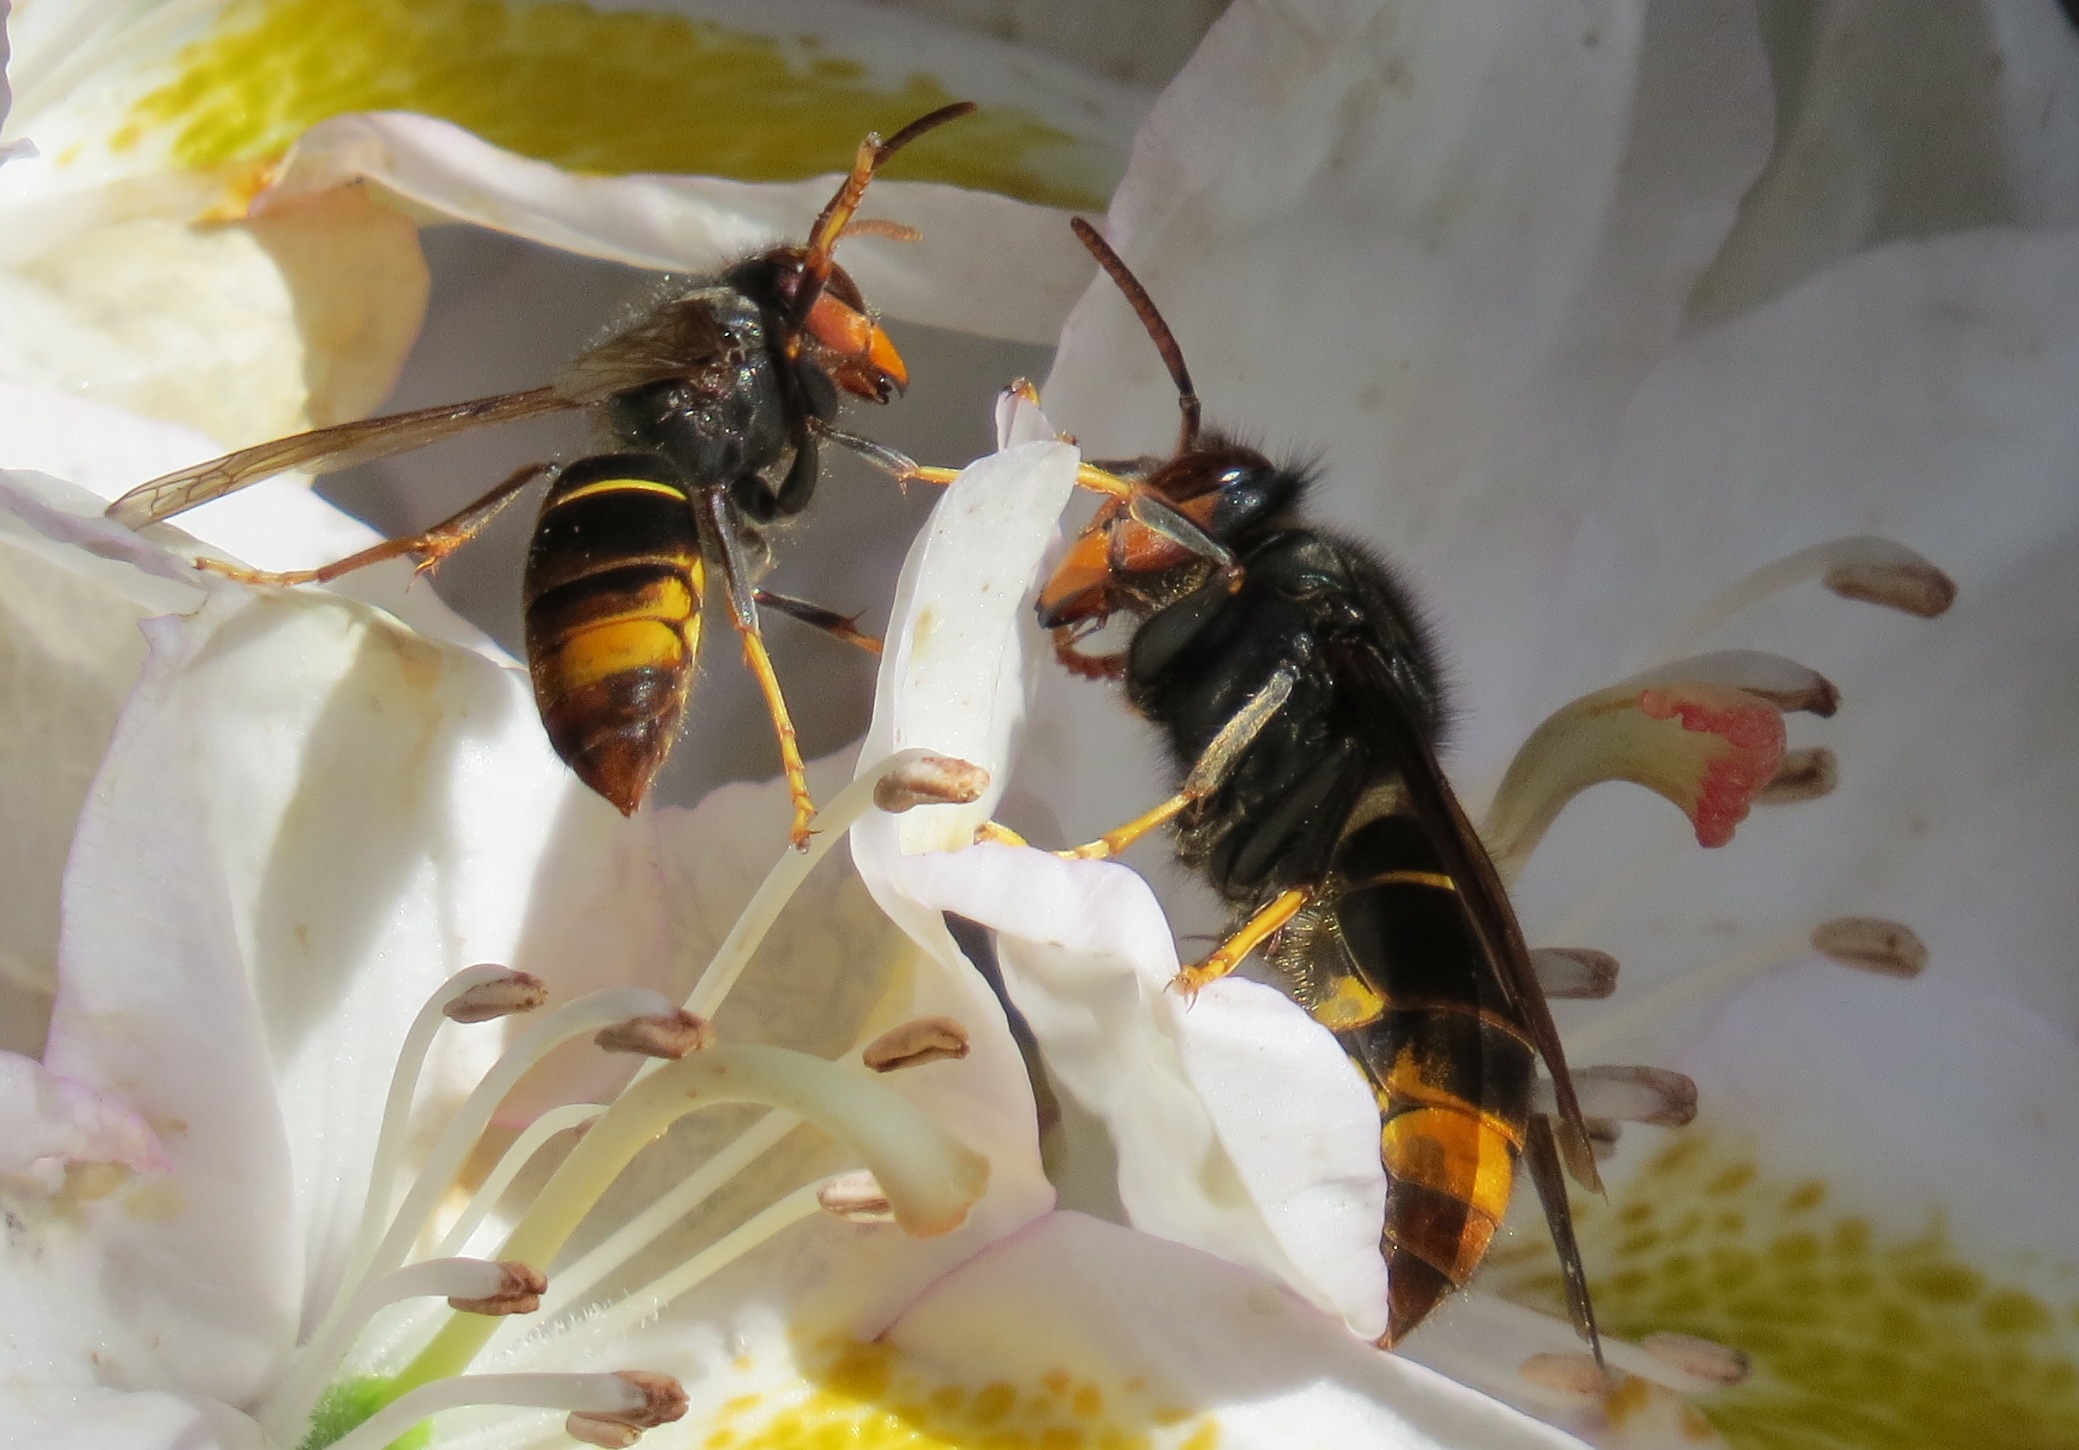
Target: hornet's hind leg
x,y
429,548
720,540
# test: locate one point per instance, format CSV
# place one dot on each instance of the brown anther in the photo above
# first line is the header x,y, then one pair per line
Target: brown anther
x,y
934,780
500,997
1627,1094
1895,577
1702,1359
669,1035
856,1197
1570,1374
1871,944
1574,973
1636,1094
1806,774
519,1293
608,1434
663,1401
916,1042
1789,686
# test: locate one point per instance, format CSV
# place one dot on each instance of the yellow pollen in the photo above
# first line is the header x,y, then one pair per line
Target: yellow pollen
x,y
1859,1336
873,1397
609,92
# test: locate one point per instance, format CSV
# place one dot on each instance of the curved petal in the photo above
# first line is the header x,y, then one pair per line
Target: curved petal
x,y
1437,249
985,263
953,677
955,673
1197,1099
308,818
1159,1338
123,1420
1890,128
690,86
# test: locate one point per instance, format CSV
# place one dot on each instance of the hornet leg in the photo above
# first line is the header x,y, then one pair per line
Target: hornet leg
x,y
429,548
714,516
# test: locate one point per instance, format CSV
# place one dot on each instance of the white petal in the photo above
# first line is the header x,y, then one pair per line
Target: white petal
x,y
1435,248
953,676
6,92
68,634
1921,389
74,587
247,330
106,1419
48,1122
986,263
1147,52
1893,128
1156,1326
305,803
107,451
1810,1062
1198,1099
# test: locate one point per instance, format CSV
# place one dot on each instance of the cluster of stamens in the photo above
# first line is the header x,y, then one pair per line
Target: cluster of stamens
x,y
1707,733
913,1174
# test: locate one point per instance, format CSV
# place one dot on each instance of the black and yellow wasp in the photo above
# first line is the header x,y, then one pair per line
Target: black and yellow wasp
x,y
1300,696
712,406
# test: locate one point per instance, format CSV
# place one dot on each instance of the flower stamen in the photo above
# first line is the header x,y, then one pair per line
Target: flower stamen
x,y
931,780
915,1043
1806,774
491,997
634,1399
1873,570
829,826
1626,1094
516,1157
856,1197
1579,974
463,1282
931,1178
647,1226
1706,746
1704,1360
516,1290
1789,686
586,1015
474,994
1871,944
666,1035
663,1401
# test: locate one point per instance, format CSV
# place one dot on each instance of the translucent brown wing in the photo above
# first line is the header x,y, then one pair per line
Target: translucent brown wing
x,y
1541,1156
325,450
1360,663
682,339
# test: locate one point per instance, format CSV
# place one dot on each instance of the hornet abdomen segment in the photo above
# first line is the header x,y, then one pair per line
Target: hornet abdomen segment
x,y
613,586
1390,963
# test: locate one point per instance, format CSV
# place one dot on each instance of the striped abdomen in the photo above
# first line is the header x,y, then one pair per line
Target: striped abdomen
x,y
1392,966
613,618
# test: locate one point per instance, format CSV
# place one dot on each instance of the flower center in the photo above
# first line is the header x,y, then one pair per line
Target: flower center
x,y
913,1174
1707,734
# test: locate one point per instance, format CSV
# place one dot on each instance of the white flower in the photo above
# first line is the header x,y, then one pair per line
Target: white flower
x,y
149,266
307,817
